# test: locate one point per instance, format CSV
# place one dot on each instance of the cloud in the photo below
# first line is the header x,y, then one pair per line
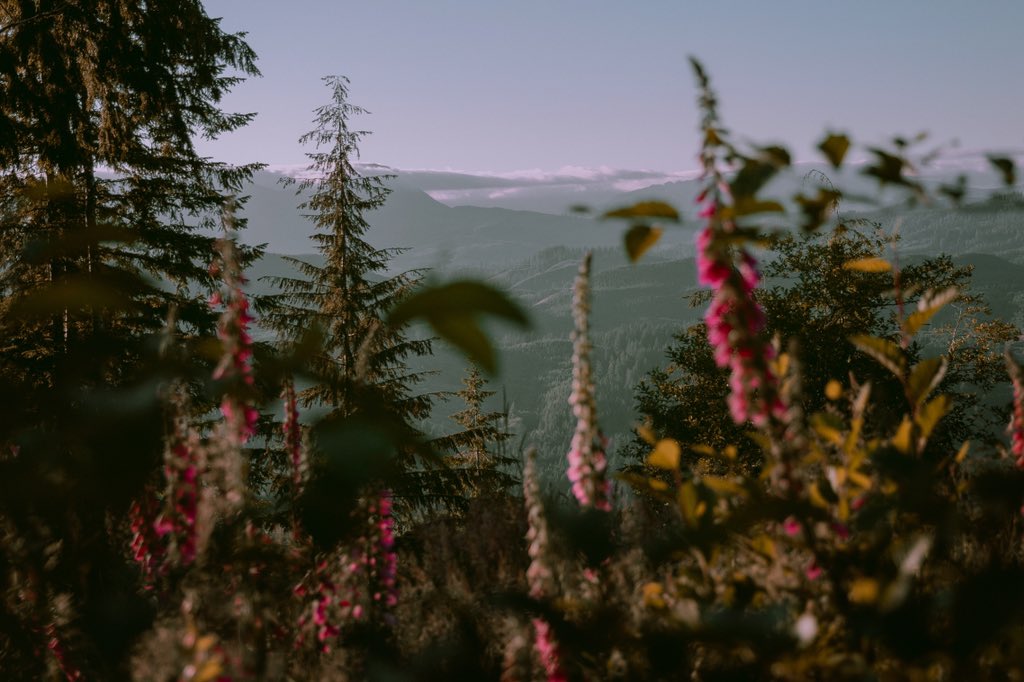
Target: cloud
x,y
453,185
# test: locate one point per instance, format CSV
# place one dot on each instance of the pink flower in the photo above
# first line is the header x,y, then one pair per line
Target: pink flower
x,y
539,576
586,456
548,652
735,325
293,436
233,331
1016,427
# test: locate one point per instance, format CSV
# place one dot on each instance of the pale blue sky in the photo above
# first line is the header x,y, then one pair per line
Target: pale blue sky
x,y
488,85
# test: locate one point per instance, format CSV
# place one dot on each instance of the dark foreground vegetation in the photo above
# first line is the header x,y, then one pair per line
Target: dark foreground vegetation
x,y
820,486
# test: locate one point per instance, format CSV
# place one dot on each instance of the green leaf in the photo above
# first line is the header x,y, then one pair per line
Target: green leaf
x,y
1006,168
453,311
69,243
955,191
465,333
639,239
751,178
459,298
888,170
819,208
657,210
75,292
775,155
924,377
887,353
834,147
750,206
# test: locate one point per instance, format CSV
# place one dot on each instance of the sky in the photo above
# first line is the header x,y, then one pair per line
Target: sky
x,y
502,86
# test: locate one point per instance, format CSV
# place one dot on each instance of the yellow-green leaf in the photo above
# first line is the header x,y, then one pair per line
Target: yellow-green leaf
x,y
868,265
689,504
887,353
834,147
665,455
647,434
1006,168
924,377
929,304
828,426
916,320
639,239
961,454
902,440
656,210
859,479
816,498
932,412
209,671
723,486
705,450
864,591
763,545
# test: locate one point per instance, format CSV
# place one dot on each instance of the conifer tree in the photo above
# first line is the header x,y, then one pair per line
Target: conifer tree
x,y
483,434
348,296
107,220
108,211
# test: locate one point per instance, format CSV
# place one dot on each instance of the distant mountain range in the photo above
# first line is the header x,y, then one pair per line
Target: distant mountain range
x,y
449,220
434,234
534,255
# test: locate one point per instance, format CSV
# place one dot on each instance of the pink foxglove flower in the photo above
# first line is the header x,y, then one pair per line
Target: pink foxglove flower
x,y
539,576
293,437
233,332
147,548
351,585
1016,427
384,566
736,325
587,460
328,606
56,647
548,651
178,521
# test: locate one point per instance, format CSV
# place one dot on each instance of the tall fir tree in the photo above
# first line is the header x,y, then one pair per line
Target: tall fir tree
x,y
480,448
348,296
107,221
108,214
480,444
